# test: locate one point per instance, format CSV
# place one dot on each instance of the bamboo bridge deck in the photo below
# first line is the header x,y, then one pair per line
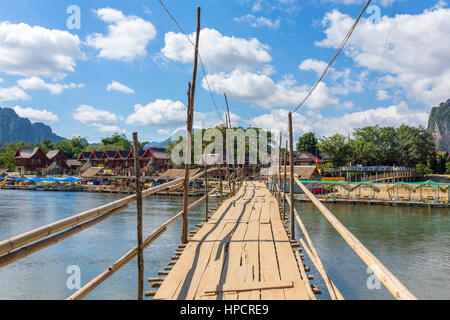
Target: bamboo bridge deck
x,y
243,252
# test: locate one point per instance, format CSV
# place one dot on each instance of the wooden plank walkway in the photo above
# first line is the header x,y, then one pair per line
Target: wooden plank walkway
x,y
242,253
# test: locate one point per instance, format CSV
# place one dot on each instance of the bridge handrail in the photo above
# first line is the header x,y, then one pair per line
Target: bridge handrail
x,y
395,287
39,233
94,283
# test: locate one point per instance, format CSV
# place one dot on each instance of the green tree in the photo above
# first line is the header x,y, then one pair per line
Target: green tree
x,y
308,143
447,166
338,149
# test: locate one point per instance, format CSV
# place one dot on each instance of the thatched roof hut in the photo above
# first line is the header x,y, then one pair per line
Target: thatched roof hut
x,y
86,166
178,173
91,172
55,168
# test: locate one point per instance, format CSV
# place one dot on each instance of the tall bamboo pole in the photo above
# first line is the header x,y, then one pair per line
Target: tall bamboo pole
x,y
291,178
190,119
284,181
140,247
206,191
279,170
220,184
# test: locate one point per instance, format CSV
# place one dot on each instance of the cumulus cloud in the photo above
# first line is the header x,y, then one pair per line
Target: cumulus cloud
x,y
127,38
159,112
394,115
117,86
89,115
219,53
261,90
36,115
36,51
36,83
383,95
317,66
12,94
417,56
107,128
258,22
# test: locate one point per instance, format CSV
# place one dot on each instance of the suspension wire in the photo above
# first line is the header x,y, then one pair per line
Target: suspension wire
x,y
200,58
341,47
383,57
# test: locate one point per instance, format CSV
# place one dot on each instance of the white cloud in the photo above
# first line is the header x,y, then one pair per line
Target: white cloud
x,y
383,95
395,115
261,90
36,51
89,115
35,83
107,128
219,53
258,22
36,115
164,132
159,112
13,93
312,64
114,85
287,6
384,3
417,56
278,120
127,38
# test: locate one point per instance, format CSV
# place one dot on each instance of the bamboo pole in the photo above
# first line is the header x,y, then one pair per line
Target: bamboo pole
x,y
94,283
140,249
291,178
206,191
322,272
305,278
397,289
320,267
279,170
284,182
42,244
190,120
220,184
39,233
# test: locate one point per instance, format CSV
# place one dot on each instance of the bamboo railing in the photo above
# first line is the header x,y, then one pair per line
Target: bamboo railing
x,y
94,283
7,246
392,284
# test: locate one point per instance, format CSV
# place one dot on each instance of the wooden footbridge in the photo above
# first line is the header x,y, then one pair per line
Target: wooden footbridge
x,y
243,252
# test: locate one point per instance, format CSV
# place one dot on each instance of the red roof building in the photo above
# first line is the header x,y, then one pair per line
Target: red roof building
x,y
30,159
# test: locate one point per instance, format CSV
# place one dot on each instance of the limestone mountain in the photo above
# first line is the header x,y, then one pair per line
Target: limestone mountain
x,y
14,129
439,124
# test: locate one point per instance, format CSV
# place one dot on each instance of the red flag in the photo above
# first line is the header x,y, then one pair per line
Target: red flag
x,y
317,161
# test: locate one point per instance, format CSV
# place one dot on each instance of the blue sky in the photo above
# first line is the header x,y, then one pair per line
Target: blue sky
x,y
126,69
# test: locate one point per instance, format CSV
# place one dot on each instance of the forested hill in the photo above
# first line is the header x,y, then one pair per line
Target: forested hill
x,y
439,124
14,129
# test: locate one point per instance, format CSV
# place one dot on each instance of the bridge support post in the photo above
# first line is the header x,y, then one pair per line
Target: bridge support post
x,y
279,171
206,192
291,184
284,181
140,245
190,120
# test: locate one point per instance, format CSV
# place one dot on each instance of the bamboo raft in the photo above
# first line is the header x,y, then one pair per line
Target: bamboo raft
x,y
243,252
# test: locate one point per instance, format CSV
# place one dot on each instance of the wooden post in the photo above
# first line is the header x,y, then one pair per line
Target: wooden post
x,y
291,178
284,181
190,120
220,184
140,246
279,171
206,191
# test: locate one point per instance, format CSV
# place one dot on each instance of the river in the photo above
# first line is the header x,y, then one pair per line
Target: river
x,y
413,243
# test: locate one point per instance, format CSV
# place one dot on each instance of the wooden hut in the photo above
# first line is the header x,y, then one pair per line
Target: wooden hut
x,y
30,159
58,157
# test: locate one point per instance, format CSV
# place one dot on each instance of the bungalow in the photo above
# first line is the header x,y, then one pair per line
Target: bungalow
x,y
30,159
122,161
56,156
